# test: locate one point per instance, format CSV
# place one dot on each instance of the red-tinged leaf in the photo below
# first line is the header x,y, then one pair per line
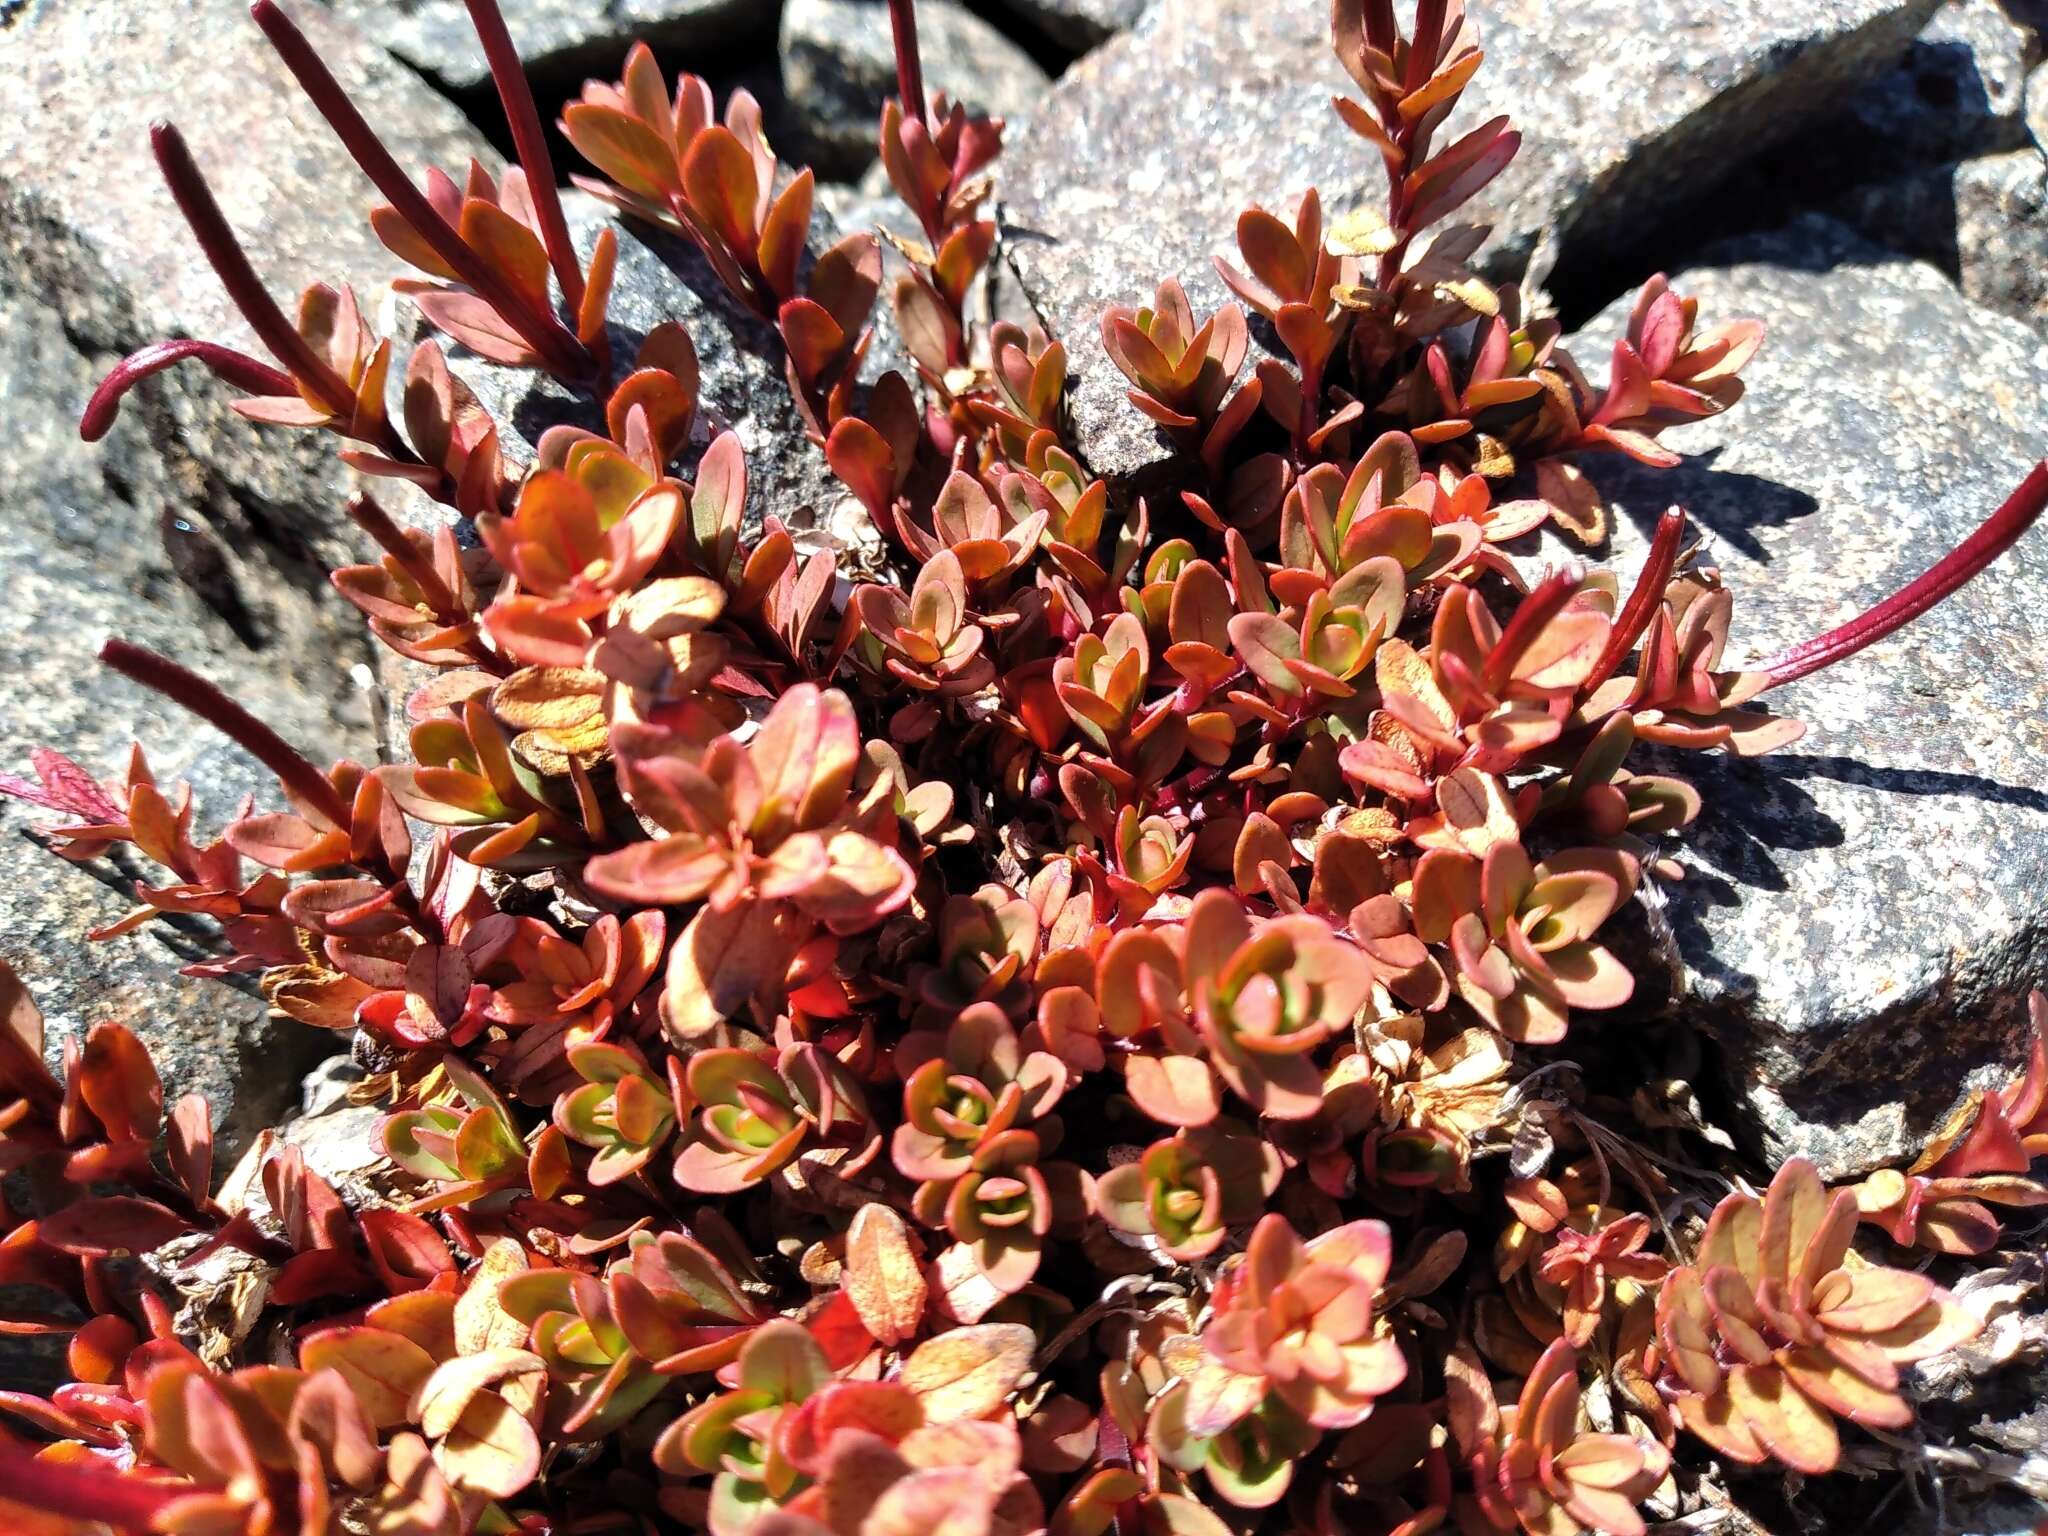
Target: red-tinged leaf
x,y
189,1147
967,1373
597,287
110,1226
626,149
783,234
385,1369
722,961
22,1070
861,459
812,336
719,180
882,1275
119,1084
1266,644
474,323
1274,255
536,633
406,1252
718,503
509,249
1455,175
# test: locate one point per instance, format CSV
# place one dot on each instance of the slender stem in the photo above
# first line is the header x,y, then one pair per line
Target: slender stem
x,y
1998,533
189,691
83,1490
376,522
532,146
562,352
909,70
224,253
238,369
1642,602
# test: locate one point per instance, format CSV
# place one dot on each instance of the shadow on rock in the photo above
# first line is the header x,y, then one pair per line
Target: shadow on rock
x,y
1727,503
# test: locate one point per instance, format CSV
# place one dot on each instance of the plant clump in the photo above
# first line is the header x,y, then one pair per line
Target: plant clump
x,y
1052,1029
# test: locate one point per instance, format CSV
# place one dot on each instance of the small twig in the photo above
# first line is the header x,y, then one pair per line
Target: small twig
x,y
531,144
909,69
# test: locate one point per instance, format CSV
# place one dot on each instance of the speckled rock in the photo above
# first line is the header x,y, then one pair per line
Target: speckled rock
x,y
1959,91
85,558
1147,150
1983,221
557,39
1865,911
839,65
1078,25
187,530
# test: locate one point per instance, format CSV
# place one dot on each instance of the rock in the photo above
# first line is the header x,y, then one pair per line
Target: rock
x,y
2037,100
1078,25
1146,151
839,65
1984,222
558,40
1865,911
1960,91
187,530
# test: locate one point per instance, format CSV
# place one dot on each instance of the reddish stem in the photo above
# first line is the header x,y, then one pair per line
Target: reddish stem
x,y
1642,602
531,144
1998,533
189,691
83,1490
376,522
237,369
563,353
909,69
224,253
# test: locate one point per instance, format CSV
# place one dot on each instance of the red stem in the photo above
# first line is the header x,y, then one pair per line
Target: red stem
x,y
224,253
189,691
1998,533
237,369
532,146
564,355
909,69
376,522
84,1490
1642,602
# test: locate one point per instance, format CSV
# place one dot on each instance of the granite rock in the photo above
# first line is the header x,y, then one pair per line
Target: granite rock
x,y
1077,25
1865,911
87,558
1984,222
1146,151
1959,91
560,40
839,65
187,529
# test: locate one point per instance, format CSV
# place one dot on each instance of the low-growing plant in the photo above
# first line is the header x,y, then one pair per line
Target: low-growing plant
x,y
1049,1035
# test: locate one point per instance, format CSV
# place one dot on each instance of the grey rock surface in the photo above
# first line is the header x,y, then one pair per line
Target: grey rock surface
x,y
1078,25
187,530
557,39
839,65
1864,911
1147,150
1959,91
1984,222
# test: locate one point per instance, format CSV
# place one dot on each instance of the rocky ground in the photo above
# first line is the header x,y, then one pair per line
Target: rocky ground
x,y
1864,913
